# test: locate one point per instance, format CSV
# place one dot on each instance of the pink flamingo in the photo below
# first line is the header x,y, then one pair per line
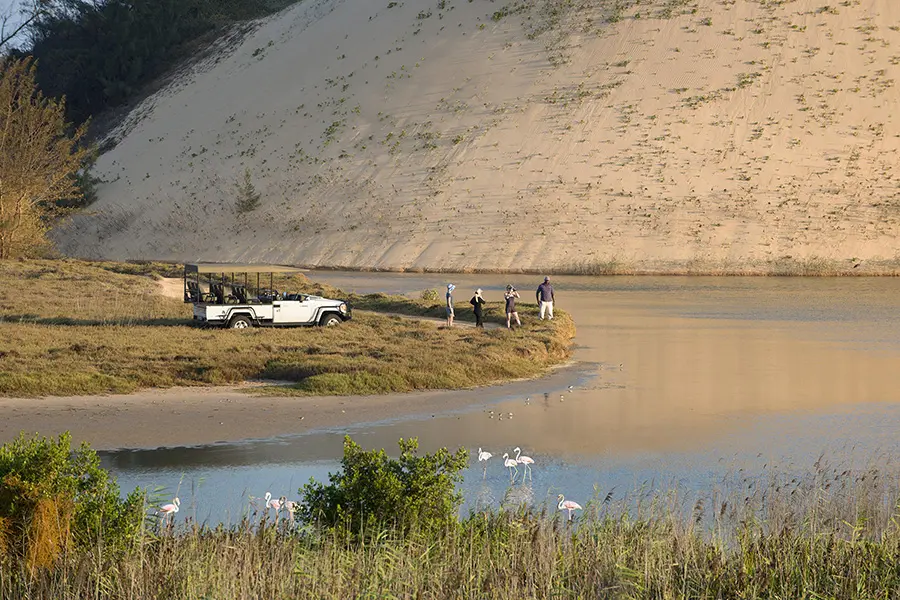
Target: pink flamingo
x,y
510,463
484,456
167,510
290,506
273,502
524,460
568,505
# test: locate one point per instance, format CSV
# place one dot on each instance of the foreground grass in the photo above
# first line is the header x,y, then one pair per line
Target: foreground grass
x,y
831,535
72,327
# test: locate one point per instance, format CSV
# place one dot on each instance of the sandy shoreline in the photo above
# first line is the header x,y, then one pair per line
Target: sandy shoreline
x,y
198,416
786,268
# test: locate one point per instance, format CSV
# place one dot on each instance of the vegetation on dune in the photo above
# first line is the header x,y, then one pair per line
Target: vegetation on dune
x,y
73,327
830,534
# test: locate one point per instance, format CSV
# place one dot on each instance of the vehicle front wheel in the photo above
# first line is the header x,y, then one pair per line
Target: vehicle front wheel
x,y
240,323
330,320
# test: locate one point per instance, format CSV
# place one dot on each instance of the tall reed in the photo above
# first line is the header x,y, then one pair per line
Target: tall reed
x,y
831,534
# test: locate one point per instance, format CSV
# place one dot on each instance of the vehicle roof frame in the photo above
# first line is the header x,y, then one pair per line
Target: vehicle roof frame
x,y
216,268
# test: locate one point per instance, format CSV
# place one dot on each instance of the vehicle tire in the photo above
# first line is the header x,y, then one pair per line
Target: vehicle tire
x,y
240,322
330,320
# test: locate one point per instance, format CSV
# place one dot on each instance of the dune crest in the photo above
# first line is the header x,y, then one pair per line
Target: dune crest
x,y
586,136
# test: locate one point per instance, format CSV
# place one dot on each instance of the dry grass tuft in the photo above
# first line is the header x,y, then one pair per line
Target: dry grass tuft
x,y
49,532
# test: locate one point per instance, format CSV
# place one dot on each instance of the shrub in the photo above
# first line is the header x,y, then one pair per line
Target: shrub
x,y
410,493
429,295
52,498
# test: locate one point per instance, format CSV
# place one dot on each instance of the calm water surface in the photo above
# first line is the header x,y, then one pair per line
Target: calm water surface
x,y
680,381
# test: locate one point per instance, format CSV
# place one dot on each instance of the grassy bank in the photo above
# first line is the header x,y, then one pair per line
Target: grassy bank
x,y
72,327
826,536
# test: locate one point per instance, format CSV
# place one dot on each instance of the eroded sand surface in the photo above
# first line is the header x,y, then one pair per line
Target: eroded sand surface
x,y
464,135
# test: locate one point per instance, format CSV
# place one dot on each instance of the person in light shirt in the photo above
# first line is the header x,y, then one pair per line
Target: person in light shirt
x,y
450,313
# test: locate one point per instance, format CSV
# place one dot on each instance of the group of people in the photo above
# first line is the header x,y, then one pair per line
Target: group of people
x,y
544,297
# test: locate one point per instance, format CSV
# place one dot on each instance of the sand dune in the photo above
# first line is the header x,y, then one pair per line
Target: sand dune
x,y
582,135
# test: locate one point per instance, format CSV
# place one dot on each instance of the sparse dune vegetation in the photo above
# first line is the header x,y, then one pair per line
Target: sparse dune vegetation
x,y
645,135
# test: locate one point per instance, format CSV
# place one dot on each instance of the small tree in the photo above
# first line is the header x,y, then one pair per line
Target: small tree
x,y
247,196
39,160
410,492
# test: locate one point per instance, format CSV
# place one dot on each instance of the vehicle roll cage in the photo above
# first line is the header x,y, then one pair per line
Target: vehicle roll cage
x,y
229,283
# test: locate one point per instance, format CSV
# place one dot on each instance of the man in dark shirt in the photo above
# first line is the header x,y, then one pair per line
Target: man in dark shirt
x,y
545,298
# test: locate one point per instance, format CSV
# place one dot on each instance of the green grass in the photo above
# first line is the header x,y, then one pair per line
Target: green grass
x,y
833,534
73,327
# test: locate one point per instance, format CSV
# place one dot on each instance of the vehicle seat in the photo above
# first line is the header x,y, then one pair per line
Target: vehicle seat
x,y
218,291
240,293
192,293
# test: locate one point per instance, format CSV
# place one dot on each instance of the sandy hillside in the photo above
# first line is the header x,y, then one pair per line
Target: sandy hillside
x,y
540,134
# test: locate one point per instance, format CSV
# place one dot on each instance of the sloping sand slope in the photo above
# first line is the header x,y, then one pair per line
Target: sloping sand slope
x,y
588,135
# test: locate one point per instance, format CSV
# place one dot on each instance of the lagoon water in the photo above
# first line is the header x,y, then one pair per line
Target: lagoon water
x,y
683,382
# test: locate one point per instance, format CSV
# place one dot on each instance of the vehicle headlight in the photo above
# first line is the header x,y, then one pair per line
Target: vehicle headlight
x,y
343,307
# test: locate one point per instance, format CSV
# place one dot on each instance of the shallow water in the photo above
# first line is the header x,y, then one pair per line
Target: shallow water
x,y
681,381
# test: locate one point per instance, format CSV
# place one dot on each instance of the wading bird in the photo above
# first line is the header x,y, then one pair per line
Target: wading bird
x,y
524,460
483,457
290,506
510,463
167,510
273,503
568,505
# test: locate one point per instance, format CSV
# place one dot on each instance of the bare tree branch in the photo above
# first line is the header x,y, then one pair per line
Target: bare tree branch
x,y
30,13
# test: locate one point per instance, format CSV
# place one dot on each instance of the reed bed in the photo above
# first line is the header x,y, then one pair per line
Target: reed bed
x,y
830,534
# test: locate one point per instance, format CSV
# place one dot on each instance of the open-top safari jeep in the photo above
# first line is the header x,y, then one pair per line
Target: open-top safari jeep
x,y
235,296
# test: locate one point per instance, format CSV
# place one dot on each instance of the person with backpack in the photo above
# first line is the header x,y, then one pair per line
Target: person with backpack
x,y
478,303
510,297
545,298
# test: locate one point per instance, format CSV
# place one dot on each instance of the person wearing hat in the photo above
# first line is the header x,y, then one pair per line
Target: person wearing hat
x,y
510,297
477,302
545,298
450,314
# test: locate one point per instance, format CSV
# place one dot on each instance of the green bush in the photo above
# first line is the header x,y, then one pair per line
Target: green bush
x,y
429,295
53,498
373,490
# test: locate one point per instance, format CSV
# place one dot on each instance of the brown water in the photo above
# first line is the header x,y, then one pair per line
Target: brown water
x,y
677,379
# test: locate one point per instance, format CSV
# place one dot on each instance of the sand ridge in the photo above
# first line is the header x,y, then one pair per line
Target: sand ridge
x,y
456,135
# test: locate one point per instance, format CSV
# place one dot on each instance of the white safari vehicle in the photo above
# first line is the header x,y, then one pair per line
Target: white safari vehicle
x,y
235,296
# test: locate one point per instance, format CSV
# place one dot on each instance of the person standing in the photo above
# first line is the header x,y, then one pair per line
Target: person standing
x,y
450,314
510,297
477,303
545,298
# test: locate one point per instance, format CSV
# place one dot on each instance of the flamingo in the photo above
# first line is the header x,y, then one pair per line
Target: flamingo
x,y
524,460
273,503
510,463
568,505
290,506
167,510
483,456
